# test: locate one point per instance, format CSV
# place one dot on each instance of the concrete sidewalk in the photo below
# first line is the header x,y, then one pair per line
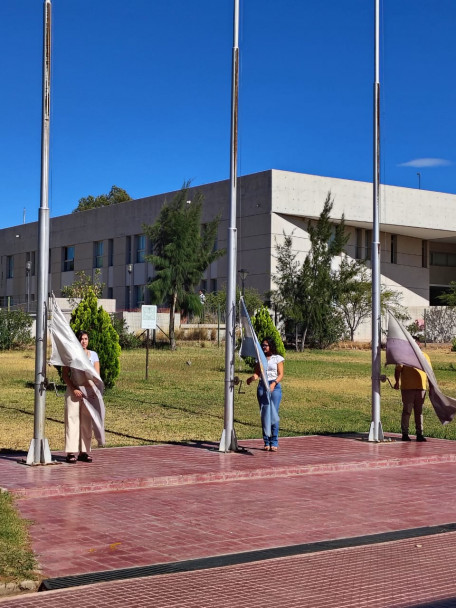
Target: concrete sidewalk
x,y
298,526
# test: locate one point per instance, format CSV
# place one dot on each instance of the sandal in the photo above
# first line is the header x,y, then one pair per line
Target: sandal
x,y
70,458
266,447
273,448
84,457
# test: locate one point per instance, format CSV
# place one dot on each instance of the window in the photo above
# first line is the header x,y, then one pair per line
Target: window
x,y
9,266
98,254
68,258
424,254
368,250
214,285
110,293
139,296
394,249
140,248
111,252
442,258
359,244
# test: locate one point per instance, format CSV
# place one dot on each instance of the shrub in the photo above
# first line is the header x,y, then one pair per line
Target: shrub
x,y
104,339
127,340
265,328
14,329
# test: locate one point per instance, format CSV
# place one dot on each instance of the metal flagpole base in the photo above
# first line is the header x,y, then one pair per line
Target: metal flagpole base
x,y
45,453
228,446
376,436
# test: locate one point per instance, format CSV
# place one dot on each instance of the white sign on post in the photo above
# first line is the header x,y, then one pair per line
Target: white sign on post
x,y
149,316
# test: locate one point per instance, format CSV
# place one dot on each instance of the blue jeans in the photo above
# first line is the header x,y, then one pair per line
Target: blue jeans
x,y
276,397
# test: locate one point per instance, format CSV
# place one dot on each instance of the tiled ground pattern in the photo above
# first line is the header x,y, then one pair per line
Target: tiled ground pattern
x,y
403,574
87,533
164,465
196,502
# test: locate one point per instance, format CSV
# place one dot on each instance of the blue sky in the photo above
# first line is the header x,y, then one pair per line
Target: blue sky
x,y
141,94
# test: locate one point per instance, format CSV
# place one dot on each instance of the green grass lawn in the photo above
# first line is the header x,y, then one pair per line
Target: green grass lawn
x,y
183,399
17,562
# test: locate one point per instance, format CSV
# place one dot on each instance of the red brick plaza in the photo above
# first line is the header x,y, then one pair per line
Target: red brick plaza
x,y
327,521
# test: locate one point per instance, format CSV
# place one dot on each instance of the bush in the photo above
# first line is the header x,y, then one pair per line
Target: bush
x,y
14,329
441,324
104,339
265,328
127,340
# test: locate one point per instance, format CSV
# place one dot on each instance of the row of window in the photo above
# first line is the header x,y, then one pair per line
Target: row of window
x,y
363,251
140,252
139,255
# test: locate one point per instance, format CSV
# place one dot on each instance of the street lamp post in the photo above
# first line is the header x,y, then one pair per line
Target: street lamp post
x,y
243,273
28,268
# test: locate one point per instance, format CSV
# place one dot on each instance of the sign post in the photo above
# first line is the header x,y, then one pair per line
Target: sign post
x,y
148,322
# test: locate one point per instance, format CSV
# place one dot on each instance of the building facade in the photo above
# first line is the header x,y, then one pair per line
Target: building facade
x,y
418,238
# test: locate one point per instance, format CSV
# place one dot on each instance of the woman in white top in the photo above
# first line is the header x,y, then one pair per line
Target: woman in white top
x,y
78,421
275,375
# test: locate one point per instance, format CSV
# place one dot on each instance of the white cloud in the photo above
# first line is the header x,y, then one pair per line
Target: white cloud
x,y
426,162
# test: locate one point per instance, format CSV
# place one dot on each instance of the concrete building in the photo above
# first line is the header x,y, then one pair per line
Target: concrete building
x,y
418,238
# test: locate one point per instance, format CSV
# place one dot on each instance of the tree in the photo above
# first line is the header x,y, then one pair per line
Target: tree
x,y
217,300
355,296
319,282
79,289
307,293
115,195
104,340
182,251
286,298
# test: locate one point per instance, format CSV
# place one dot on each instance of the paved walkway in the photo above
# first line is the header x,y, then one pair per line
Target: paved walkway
x,y
153,506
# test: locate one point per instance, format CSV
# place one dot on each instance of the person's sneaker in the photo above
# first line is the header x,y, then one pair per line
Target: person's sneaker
x,y
405,437
421,438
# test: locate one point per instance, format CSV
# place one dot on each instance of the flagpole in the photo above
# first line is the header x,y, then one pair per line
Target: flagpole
x,y
376,431
39,452
228,440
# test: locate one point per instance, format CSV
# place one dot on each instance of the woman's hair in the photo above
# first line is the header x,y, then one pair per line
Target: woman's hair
x,y
272,345
81,333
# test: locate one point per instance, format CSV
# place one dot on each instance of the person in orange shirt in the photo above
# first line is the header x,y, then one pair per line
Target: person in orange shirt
x,y
412,382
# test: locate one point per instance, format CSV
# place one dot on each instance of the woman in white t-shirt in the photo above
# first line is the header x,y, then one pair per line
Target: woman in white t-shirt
x,y
78,421
275,375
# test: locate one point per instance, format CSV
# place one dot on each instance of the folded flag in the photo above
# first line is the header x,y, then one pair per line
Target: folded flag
x,y
401,349
250,347
67,351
